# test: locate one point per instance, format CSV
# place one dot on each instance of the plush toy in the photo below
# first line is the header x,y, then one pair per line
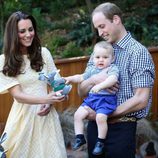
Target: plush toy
x,y
2,152
57,83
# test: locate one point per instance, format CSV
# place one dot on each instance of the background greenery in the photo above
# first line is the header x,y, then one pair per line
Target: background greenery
x,y
65,25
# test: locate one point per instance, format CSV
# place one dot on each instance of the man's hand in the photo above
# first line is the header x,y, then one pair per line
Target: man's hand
x,y
44,110
91,113
114,88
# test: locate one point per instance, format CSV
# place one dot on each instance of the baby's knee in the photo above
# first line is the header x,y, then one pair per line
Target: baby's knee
x,y
101,118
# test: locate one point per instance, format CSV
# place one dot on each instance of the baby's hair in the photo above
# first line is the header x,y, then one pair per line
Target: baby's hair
x,y
105,45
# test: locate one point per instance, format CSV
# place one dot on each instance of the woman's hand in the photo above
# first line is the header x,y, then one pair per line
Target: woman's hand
x,y
30,99
54,97
44,110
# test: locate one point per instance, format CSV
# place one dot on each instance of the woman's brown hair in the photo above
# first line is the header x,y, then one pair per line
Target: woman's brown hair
x,y
11,47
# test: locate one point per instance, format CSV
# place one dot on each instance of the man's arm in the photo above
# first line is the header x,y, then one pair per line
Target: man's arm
x,y
138,102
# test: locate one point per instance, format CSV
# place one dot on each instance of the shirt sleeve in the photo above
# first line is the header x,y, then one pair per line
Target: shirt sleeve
x,y
87,74
90,62
113,70
5,81
142,69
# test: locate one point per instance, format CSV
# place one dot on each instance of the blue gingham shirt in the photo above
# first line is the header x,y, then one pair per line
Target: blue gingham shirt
x,y
136,70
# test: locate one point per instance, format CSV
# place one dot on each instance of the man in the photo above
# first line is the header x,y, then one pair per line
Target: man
x,y
135,84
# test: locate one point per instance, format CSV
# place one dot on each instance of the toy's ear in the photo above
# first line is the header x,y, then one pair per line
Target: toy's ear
x,y
42,77
3,138
51,75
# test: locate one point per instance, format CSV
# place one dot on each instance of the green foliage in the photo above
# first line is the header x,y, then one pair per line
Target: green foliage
x,y
1,46
58,7
143,27
63,24
16,5
59,41
150,36
88,50
127,5
71,50
41,23
54,43
69,25
82,31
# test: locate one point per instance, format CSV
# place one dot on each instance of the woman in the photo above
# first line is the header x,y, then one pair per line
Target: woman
x,y
33,127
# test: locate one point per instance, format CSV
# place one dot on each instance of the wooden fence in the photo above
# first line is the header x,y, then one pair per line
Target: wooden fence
x,y
73,66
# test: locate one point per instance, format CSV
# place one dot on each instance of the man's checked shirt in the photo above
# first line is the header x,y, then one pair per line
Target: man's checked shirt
x,y
136,69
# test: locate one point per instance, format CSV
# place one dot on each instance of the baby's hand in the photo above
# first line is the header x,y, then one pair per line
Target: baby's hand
x,y
95,89
67,80
74,79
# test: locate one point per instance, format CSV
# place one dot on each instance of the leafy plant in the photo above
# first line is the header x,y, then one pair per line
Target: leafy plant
x,y
88,50
54,43
62,24
36,12
58,7
142,27
71,50
72,18
82,31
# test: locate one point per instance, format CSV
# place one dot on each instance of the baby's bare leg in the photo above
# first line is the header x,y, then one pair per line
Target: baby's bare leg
x,y
79,116
101,120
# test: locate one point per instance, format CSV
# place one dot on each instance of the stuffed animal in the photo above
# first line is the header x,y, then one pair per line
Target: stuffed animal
x,y
57,83
2,152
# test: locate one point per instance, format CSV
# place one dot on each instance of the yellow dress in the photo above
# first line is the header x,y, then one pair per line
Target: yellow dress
x,y
28,134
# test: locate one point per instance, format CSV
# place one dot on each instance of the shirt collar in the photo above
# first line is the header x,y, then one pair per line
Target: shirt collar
x,y
123,42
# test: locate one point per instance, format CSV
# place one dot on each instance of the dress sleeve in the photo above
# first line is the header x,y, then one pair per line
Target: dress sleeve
x,y
48,59
5,81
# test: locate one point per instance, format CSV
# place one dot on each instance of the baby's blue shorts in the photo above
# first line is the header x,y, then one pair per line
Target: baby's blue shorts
x,y
101,103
